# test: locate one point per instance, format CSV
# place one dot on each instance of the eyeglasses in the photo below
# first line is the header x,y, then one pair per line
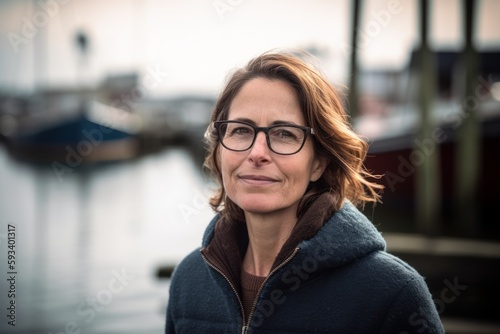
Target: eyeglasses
x,y
281,139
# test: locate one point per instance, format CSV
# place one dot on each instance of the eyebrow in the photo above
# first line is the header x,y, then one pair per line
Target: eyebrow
x,y
277,122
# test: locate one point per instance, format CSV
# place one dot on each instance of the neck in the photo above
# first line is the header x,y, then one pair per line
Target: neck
x,y
266,238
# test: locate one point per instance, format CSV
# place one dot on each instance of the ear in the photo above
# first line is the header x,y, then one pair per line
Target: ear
x,y
318,167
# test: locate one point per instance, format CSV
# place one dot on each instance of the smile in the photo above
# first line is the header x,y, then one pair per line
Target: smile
x,y
257,179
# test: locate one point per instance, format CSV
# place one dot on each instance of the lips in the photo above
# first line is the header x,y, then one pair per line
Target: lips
x,y
257,179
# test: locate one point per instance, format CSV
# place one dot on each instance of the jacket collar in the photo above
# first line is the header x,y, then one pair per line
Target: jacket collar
x,y
305,228
345,236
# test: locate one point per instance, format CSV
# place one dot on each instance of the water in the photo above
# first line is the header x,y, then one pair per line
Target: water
x,y
87,246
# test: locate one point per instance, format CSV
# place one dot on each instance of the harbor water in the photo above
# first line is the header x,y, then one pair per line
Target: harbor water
x,y
87,244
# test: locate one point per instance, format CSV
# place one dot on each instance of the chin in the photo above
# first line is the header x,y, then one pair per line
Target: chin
x,y
259,210
260,204
257,207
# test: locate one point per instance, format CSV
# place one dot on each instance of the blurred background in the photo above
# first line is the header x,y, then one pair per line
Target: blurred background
x,y
103,106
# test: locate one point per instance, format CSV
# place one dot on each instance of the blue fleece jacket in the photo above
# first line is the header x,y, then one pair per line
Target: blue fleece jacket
x,y
339,281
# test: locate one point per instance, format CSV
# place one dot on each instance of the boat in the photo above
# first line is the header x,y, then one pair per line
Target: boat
x,y
95,133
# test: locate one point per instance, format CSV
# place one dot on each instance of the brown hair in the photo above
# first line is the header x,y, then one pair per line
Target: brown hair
x,y
345,175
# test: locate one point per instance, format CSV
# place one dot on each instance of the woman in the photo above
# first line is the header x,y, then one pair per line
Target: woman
x,y
288,251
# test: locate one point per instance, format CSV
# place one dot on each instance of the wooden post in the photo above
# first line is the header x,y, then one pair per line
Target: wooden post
x,y
468,149
425,154
353,89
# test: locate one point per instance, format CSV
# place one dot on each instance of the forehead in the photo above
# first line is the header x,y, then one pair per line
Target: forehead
x,y
265,99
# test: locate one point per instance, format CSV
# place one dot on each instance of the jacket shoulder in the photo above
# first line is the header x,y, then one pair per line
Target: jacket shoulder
x,y
411,306
393,265
390,273
189,265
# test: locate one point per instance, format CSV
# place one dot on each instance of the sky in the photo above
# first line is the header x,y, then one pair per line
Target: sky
x,y
193,44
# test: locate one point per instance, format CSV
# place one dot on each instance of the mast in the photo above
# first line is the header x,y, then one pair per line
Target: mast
x,y
353,89
428,181
468,148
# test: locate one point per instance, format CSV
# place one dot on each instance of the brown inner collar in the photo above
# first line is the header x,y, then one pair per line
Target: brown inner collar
x,y
230,241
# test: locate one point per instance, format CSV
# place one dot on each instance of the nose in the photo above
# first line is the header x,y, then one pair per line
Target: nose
x,y
259,151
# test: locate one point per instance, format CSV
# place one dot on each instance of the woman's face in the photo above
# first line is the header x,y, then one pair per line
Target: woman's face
x,y
258,180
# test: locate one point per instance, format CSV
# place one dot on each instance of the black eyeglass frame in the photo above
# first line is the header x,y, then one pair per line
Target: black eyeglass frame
x,y
307,131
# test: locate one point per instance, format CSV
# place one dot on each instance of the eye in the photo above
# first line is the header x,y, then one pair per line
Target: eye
x,y
239,130
242,129
284,133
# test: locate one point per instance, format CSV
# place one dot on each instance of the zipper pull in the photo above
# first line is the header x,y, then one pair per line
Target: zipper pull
x,y
244,329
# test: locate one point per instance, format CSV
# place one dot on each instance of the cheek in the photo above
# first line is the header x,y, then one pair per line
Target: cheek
x,y
298,173
305,165
227,163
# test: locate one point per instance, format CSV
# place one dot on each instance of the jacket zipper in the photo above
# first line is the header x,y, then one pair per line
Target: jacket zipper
x,y
244,328
282,264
